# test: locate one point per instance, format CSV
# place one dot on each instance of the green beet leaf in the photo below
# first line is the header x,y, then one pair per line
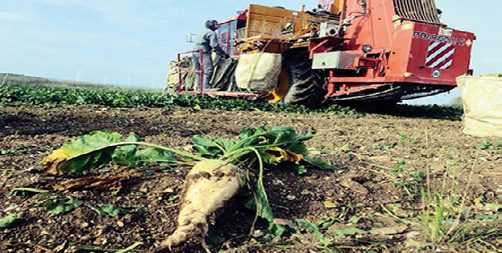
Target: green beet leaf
x,y
319,163
206,147
10,221
264,210
126,155
99,148
84,153
155,155
110,209
57,206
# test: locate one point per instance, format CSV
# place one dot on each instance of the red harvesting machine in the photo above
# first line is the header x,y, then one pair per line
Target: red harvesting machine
x,y
364,51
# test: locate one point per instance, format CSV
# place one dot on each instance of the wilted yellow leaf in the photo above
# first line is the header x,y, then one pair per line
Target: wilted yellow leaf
x,y
277,154
330,204
83,153
51,162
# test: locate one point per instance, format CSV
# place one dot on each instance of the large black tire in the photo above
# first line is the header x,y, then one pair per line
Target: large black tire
x,y
305,85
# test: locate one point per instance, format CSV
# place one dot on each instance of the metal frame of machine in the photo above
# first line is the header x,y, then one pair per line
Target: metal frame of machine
x,y
366,50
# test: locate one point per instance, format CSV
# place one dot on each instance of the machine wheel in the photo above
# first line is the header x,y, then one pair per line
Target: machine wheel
x,y
304,84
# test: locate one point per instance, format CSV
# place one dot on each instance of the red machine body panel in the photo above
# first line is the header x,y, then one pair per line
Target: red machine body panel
x,y
435,57
407,51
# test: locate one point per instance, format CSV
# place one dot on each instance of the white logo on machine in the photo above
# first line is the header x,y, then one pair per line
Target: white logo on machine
x,y
439,38
436,73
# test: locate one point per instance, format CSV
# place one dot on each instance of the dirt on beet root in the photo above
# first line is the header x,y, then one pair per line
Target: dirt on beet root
x,y
387,166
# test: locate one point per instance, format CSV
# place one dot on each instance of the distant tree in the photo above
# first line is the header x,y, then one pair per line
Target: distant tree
x,y
457,102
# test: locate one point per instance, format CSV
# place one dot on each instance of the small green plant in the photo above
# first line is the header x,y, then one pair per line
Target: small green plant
x,y
486,145
400,166
381,147
106,209
56,206
445,217
402,137
11,220
326,223
173,198
313,235
113,210
308,234
412,183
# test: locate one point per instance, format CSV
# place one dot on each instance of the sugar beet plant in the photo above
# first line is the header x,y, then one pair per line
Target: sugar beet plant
x,y
221,168
46,96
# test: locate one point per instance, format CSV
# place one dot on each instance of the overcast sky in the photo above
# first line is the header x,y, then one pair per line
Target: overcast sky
x,y
132,41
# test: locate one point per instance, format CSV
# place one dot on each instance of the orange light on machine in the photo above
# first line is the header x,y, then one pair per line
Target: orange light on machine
x,y
408,74
368,62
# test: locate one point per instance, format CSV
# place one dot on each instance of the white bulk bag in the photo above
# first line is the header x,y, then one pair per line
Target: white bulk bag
x,y
258,72
482,99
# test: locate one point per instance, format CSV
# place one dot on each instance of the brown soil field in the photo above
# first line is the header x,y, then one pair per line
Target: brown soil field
x,y
374,190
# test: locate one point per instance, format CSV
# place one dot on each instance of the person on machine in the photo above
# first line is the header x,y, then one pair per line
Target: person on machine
x,y
207,41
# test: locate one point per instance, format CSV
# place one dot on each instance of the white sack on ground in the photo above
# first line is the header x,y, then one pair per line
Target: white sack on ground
x,y
258,72
482,99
